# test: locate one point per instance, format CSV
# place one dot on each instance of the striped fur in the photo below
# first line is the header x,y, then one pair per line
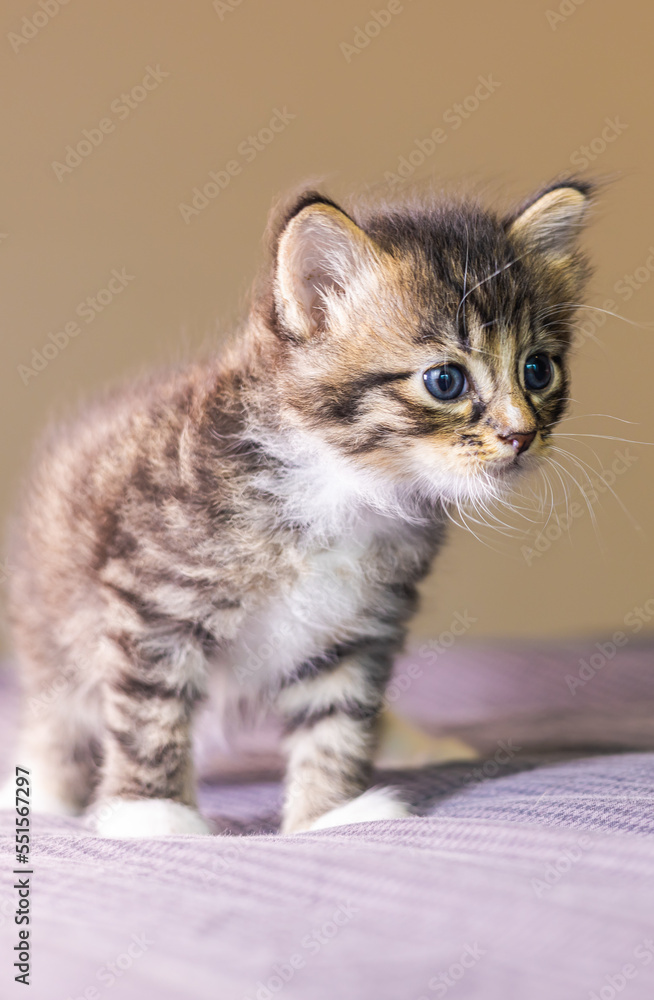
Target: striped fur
x,y
260,521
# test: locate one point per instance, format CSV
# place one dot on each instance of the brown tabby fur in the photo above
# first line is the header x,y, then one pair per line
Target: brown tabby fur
x,y
287,496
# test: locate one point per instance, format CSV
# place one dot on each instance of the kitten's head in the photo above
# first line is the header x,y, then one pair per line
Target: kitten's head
x,y
430,344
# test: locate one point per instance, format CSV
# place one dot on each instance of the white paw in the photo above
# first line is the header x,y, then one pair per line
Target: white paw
x,y
121,818
378,803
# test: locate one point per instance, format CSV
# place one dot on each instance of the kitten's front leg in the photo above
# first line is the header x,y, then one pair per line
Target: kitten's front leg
x,y
147,786
332,724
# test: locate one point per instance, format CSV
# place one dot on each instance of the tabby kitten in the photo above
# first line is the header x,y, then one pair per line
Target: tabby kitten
x,y
264,518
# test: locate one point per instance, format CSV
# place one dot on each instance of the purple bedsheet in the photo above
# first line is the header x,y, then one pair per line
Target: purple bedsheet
x,y
530,876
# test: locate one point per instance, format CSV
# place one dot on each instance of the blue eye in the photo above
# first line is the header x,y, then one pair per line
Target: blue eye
x,y
445,381
538,371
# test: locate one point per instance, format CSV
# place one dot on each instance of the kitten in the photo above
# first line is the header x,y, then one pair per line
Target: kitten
x,y
262,520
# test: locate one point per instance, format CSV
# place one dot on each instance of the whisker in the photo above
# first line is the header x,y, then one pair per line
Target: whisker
x,y
464,521
574,480
583,305
582,416
565,494
552,500
606,437
488,278
465,283
580,462
551,494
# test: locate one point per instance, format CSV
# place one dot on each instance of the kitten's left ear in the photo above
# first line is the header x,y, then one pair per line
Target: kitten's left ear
x,y
551,222
320,251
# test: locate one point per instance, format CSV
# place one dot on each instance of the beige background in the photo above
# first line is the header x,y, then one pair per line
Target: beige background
x,y
560,77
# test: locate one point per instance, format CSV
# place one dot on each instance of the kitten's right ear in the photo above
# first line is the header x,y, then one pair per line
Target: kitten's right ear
x,y
318,253
551,222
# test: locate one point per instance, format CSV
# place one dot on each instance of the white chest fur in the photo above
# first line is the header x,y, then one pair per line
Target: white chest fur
x,y
355,536
331,600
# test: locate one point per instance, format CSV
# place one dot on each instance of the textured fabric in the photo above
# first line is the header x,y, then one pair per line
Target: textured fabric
x,y
527,875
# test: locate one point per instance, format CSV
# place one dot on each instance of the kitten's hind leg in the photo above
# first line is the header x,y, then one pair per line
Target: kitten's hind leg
x,y
147,787
58,745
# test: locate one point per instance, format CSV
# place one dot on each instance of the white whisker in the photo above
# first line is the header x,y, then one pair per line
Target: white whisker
x,y
606,437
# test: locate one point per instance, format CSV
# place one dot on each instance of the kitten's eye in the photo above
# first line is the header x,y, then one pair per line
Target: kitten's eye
x,y
445,381
538,371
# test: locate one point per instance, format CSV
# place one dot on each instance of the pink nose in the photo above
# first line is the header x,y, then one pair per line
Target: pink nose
x,y
518,440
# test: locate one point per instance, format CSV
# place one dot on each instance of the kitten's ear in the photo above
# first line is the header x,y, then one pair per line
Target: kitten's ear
x,y
319,252
551,222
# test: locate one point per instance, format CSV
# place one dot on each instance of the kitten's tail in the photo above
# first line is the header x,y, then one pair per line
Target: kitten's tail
x,y
404,745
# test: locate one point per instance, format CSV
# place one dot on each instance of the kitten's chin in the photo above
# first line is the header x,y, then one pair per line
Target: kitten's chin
x,y
484,481
427,476
517,466
506,473
508,470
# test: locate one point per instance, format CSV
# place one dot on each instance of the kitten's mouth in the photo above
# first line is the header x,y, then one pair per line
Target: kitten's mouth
x,y
509,466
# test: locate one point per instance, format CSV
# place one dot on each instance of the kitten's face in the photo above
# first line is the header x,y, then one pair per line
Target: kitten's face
x,y
436,355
